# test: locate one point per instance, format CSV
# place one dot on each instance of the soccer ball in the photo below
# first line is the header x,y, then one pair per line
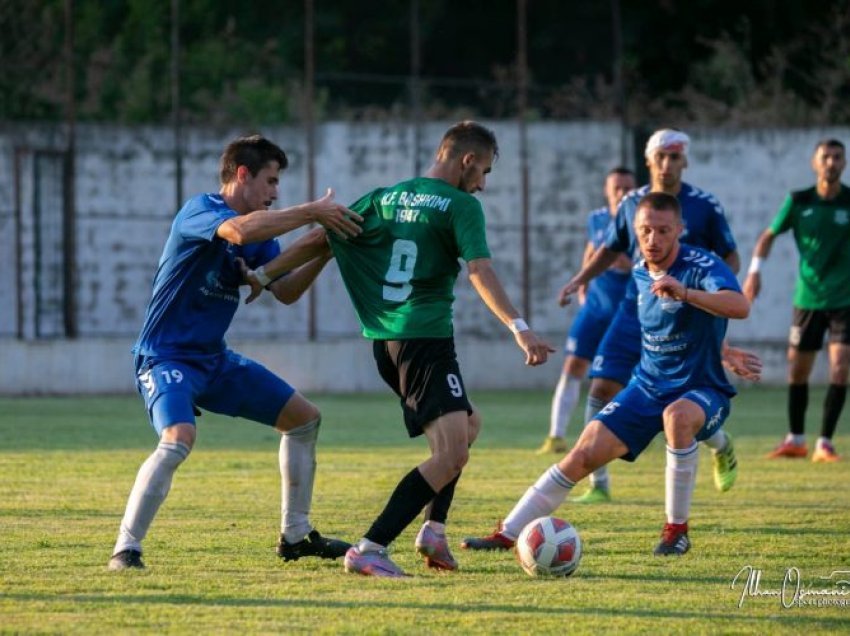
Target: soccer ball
x,y
549,546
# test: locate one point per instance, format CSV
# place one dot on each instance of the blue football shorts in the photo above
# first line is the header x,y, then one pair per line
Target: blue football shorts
x,y
619,350
603,299
586,333
225,383
636,417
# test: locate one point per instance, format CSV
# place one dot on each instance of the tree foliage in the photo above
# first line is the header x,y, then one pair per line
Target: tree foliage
x,y
775,62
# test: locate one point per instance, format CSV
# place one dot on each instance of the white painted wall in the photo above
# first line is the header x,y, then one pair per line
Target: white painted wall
x,y
125,202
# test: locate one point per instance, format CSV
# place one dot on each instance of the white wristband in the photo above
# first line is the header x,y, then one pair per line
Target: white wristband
x,y
755,265
517,325
261,276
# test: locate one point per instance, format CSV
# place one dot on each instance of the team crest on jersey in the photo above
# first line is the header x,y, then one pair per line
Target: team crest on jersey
x,y
711,284
841,217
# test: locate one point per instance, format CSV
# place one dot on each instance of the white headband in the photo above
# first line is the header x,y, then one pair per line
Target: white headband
x,y
668,139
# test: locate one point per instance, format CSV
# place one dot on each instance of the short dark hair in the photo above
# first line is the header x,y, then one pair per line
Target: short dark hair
x,y
467,136
254,152
620,170
661,201
829,142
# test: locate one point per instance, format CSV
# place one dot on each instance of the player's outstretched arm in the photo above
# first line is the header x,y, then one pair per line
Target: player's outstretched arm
x,y
601,260
489,288
262,225
302,261
752,283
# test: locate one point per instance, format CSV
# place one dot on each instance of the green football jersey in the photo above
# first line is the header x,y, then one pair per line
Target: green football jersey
x,y
822,233
401,271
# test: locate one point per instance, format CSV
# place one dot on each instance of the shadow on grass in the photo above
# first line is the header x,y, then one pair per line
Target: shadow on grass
x,y
444,608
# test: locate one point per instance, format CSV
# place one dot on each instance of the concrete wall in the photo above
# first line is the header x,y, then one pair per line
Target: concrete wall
x,y
125,201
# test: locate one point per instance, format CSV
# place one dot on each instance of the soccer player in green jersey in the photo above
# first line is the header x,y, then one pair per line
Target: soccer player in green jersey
x,y
400,274
820,219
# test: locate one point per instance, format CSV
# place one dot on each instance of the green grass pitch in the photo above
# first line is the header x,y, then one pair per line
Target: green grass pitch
x,y
67,465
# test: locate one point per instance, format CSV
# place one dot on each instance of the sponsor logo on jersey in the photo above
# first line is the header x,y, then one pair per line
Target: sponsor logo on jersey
x,y
214,289
806,212
703,260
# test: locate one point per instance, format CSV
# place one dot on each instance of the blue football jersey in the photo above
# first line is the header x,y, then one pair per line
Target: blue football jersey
x,y
196,286
702,215
681,344
606,290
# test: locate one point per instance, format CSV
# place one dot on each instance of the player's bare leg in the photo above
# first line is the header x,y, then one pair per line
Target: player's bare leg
x,y
448,437
431,542
596,446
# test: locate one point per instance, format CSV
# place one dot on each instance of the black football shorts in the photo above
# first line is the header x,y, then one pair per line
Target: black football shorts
x,y
425,374
810,325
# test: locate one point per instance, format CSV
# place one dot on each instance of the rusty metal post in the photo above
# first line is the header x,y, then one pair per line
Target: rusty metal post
x,y
619,80
310,130
416,85
69,211
176,119
522,108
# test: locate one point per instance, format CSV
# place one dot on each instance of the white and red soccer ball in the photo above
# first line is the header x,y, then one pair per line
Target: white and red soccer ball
x,y
549,546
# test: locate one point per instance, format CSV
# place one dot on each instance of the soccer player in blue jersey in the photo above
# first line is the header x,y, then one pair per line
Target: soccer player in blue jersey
x,y
685,297
599,301
183,363
705,226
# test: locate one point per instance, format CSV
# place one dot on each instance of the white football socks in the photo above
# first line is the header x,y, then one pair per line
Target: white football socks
x,y
717,441
153,482
297,459
543,498
681,476
599,477
563,403
797,440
